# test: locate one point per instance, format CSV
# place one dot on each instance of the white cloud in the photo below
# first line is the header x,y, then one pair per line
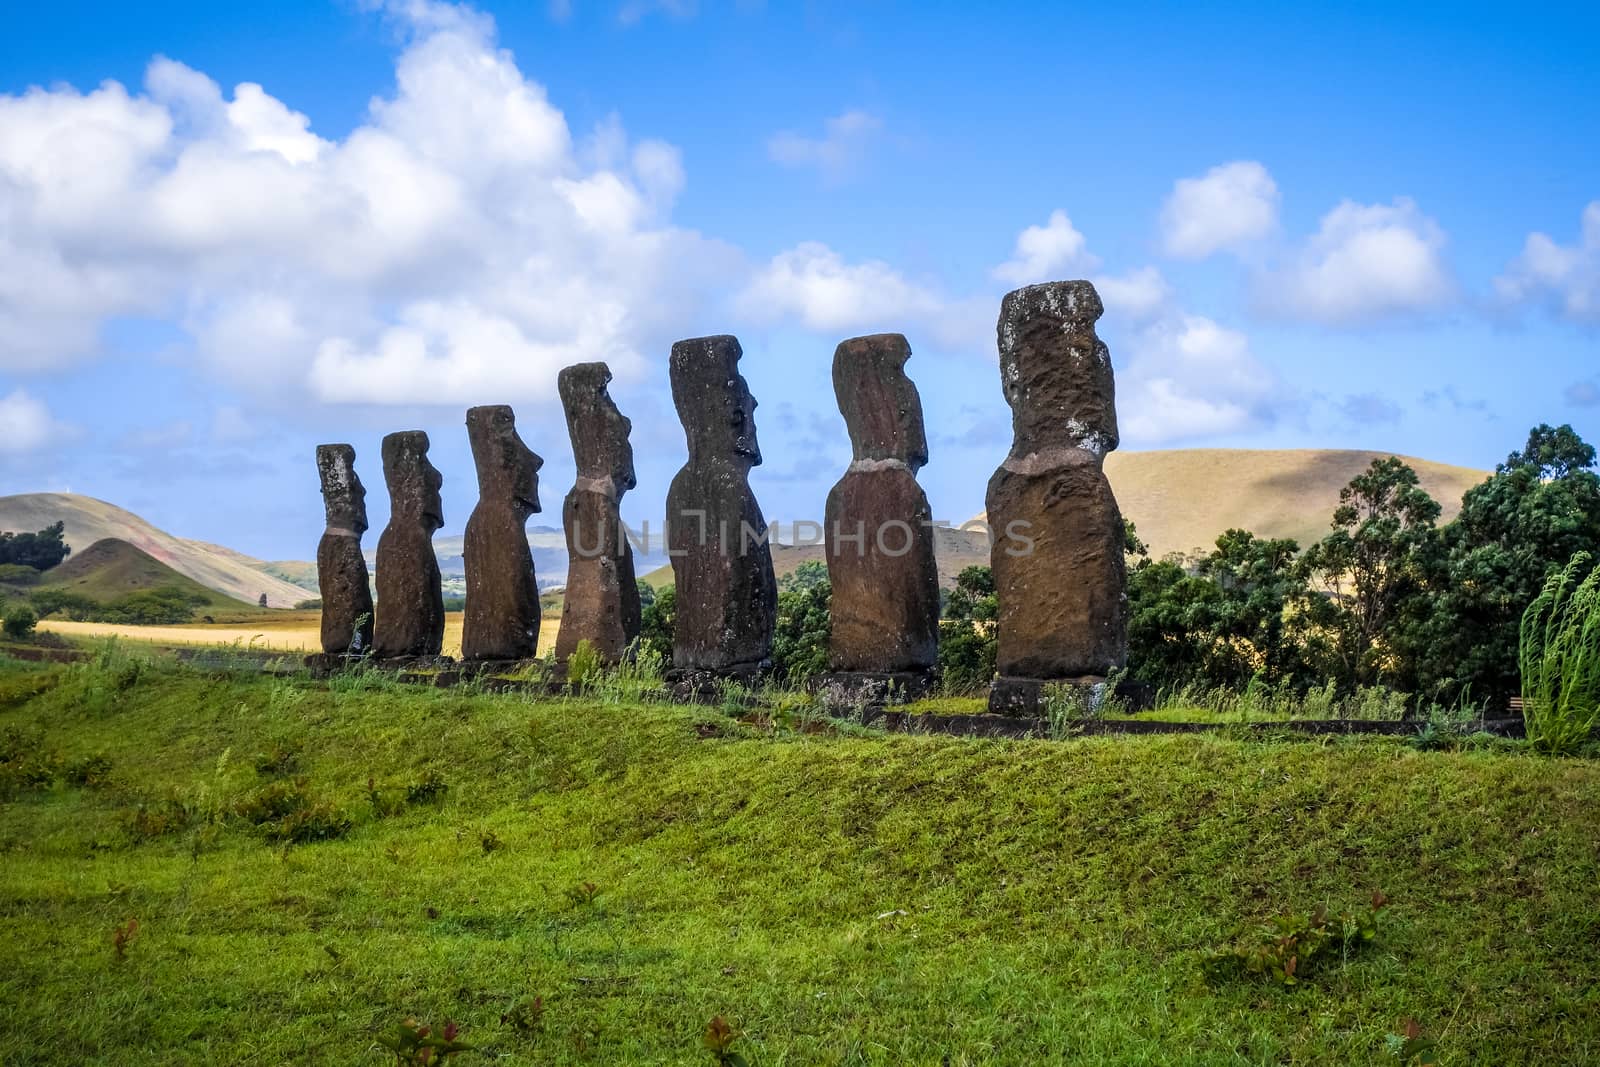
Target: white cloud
x,y
1137,295
1188,377
844,144
816,286
26,425
1365,262
1043,253
634,11
458,245
1584,394
1566,276
1228,206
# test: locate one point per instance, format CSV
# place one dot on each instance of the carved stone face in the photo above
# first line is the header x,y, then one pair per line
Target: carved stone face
x,y
508,470
598,430
1055,371
881,406
344,498
714,401
413,482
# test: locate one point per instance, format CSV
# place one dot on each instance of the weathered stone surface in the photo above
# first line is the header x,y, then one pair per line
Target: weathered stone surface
x,y
410,599
878,526
727,596
501,621
602,596
341,568
1057,553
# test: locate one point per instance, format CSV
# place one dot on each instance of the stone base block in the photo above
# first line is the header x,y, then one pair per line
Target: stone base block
x,y
852,690
1029,697
322,664
694,685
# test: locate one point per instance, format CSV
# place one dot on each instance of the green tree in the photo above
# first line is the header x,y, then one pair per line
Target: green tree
x,y
20,622
966,631
804,625
1539,509
1373,571
657,623
41,550
647,593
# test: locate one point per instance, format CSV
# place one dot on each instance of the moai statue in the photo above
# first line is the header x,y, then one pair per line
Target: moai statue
x,y
341,568
410,600
716,535
1058,536
602,598
879,533
502,615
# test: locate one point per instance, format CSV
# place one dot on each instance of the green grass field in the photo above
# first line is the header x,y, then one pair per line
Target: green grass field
x,y
841,897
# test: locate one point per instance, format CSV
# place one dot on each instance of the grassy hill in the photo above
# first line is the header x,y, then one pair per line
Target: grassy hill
x,y
843,898
89,520
111,568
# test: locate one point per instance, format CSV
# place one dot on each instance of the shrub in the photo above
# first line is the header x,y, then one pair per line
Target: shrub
x,y
583,666
18,574
313,604
321,821
20,622
657,623
428,789
1560,659
1288,947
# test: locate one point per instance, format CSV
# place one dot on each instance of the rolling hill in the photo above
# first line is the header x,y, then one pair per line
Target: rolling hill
x,y
89,520
112,568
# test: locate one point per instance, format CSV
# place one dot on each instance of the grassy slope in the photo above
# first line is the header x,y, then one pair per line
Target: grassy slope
x,y
89,520
110,569
845,899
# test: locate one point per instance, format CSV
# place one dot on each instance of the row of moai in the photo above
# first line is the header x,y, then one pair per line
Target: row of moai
x,y
1057,552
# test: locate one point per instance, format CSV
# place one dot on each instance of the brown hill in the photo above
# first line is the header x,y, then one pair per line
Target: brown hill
x,y
112,568
89,520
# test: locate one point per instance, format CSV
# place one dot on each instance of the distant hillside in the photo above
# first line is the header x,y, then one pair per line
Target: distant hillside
x,y
1181,499
112,568
89,520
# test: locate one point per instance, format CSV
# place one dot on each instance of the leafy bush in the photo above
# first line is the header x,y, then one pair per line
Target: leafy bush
x,y
1560,659
321,821
804,624
18,574
1288,947
428,789
967,646
313,604
584,666
20,622
658,621
415,1045
73,606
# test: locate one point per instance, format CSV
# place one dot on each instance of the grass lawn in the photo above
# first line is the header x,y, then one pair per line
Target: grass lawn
x,y
846,898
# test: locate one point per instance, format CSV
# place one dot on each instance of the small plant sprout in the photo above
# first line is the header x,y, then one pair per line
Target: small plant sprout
x,y
719,1038
1287,947
415,1045
1411,1046
123,936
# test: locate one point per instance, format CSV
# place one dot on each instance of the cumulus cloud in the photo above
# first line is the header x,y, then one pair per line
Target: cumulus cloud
x,y
1186,376
844,143
1567,277
814,285
1137,295
458,245
1043,253
1365,262
1225,208
26,425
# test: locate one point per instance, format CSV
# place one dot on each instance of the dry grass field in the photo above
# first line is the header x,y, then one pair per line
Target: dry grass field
x,y
287,631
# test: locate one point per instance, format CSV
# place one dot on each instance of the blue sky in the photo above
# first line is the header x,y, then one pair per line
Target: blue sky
x,y
304,222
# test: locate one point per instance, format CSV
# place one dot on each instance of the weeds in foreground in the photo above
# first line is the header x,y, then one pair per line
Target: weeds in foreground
x,y
1411,1046
415,1045
718,1039
1559,656
1291,945
123,936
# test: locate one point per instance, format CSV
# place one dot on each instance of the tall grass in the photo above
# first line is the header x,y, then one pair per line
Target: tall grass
x,y
1559,657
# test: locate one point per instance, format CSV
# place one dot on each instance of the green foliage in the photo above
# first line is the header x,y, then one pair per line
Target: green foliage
x,y
20,622
41,550
164,606
656,624
1289,947
18,574
1560,659
429,789
415,1045
311,604
583,666
647,593
967,649
804,625
1411,1046
284,811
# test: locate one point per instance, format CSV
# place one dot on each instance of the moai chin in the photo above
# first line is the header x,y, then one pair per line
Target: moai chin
x,y
341,568
716,535
1058,536
878,532
501,621
410,599
602,596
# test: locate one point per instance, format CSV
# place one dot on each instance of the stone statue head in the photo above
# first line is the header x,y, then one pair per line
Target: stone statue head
x,y
879,403
508,470
1055,371
713,400
598,430
344,498
413,482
